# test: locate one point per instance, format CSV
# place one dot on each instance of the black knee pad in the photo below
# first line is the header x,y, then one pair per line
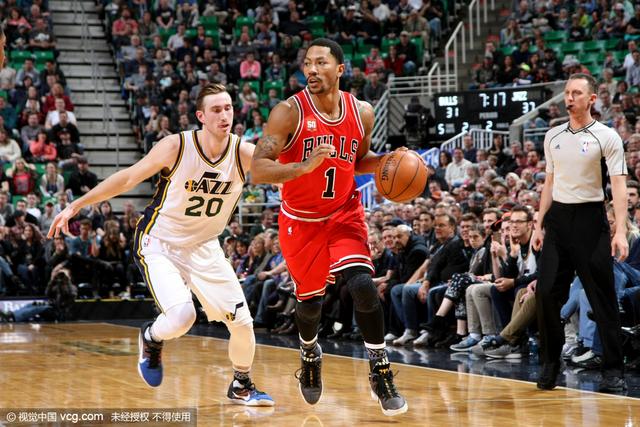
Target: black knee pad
x,y
362,289
309,310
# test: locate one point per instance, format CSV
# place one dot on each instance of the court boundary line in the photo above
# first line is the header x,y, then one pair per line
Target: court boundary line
x,y
604,396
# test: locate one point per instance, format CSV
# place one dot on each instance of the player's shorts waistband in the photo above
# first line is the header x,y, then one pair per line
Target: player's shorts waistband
x,y
288,213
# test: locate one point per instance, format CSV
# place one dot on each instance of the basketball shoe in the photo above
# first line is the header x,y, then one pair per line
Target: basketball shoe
x,y
150,358
384,390
309,375
246,393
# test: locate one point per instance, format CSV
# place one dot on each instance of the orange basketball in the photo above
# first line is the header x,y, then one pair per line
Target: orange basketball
x,y
401,175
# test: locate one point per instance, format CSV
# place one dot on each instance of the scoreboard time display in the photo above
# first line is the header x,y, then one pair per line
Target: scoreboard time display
x,y
490,109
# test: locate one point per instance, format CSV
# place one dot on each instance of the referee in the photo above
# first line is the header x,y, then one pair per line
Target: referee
x,y
575,229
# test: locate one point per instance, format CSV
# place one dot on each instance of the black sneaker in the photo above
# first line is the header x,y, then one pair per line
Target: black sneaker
x,y
613,384
548,376
384,391
150,358
309,375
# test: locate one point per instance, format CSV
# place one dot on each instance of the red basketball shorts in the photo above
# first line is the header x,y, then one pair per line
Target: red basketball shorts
x,y
316,250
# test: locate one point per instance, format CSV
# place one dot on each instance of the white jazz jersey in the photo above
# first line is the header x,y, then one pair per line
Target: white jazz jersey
x,y
193,203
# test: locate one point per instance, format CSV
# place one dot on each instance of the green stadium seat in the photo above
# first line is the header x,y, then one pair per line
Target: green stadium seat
x,y
316,22
275,84
347,49
43,56
20,55
16,199
613,44
571,47
238,31
191,33
508,50
593,46
386,44
419,44
209,22
166,33
264,111
40,168
4,94
245,20
318,32
255,85
358,60
619,55
589,58
555,36
595,69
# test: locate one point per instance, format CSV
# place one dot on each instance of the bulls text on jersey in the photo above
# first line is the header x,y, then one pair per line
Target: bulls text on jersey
x,y
341,150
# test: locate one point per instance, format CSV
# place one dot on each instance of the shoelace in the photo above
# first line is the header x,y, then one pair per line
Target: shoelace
x,y
385,385
309,373
154,351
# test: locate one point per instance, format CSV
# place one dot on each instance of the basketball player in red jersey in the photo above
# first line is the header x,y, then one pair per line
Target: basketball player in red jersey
x,y
314,143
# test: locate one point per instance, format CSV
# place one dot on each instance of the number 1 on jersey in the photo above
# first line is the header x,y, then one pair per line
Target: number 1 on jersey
x,y
330,175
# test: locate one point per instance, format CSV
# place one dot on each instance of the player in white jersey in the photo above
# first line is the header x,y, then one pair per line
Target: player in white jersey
x,y
176,242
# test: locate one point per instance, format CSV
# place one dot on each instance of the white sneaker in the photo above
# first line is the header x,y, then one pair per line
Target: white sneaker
x,y
406,337
390,337
422,339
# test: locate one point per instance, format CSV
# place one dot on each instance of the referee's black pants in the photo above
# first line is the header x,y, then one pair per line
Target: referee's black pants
x,y
577,240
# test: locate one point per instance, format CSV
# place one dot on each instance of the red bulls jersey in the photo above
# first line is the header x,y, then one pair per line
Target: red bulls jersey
x,y
318,194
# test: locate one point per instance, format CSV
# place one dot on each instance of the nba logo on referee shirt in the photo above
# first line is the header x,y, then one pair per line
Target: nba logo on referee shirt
x,y
311,125
585,147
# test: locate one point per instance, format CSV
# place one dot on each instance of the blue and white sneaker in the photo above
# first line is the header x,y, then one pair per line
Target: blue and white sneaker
x,y
464,345
247,394
149,359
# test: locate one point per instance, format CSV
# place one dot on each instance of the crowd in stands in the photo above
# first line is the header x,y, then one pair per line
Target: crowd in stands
x,y
546,41
167,50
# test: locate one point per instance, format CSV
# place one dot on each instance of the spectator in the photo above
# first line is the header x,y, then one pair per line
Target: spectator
x,y
30,131
82,180
51,183
68,151
407,51
41,149
22,178
393,62
7,77
47,217
64,125
250,68
147,29
633,71
40,37
374,89
457,170
177,40
9,149
164,15
53,116
8,113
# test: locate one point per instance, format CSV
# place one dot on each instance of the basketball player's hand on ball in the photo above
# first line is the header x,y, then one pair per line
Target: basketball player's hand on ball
x,y
317,156
61,222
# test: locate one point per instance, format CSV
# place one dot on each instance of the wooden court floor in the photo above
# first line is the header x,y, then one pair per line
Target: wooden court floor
x,y
80,365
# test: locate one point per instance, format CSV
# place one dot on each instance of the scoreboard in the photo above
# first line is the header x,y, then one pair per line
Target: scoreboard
x,y
490,109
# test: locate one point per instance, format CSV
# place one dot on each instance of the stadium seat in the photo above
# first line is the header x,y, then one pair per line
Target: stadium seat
x,y
358,60
255,85
191,33
386,43
4,94
18,56
555,36
347,49
245,20
316,22
593,46
595,69
571,47
589,58
209,22
275,84
165,34
612,44
508,50
42,56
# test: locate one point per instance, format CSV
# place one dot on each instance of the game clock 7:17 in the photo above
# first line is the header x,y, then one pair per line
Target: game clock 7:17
x,y
493,109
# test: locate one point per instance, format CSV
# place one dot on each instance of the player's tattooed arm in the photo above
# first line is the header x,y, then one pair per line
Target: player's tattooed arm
x,y
367,160
280,126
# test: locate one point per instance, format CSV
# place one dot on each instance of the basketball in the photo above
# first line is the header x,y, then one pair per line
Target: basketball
x,y
401,175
